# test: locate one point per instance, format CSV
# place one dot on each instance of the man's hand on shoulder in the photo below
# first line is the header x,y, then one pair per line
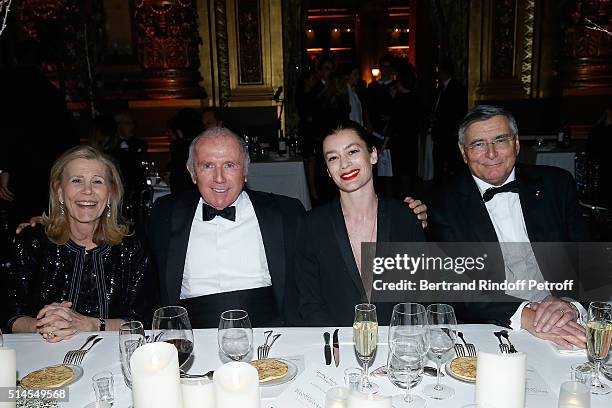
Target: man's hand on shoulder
x,y
419,209
32,223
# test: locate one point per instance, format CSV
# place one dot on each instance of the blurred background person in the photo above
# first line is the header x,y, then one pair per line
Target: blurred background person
x,y
184,127
80,270
211,116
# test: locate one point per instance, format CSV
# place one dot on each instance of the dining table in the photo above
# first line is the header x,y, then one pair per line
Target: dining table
x,y
305,347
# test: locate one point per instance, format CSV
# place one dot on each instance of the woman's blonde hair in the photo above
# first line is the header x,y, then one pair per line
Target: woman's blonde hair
x,y
109,230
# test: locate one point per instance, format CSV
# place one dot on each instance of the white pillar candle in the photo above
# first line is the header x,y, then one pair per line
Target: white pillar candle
x,y
198,393
155,376
8,372
336,397
359,400
236,386
501,373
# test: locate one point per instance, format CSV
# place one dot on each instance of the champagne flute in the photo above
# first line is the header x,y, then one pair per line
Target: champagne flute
x,y
235,334
131,336
408,346
365,335
442,337
171,324
599,336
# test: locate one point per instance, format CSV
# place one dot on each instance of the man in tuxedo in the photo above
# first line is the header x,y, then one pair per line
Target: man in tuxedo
x,y
449,109
501,201
223,247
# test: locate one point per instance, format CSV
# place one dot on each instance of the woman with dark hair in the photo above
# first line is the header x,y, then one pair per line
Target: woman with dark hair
x,y
81,270
329,275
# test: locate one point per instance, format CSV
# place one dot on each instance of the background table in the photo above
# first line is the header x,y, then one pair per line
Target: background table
x,y
280,177
34,353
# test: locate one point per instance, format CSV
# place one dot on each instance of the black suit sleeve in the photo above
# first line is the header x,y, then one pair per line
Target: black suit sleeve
x,y
313,307
576,228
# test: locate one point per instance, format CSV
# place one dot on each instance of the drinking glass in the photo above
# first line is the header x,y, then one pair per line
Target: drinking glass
x,y
574,394
408,346
1,339
599,336
442,336
365,336
104,387
131,336
171,325
235,334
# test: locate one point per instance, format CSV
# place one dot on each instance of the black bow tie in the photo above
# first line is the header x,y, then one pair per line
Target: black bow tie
x,y
511,187
208,212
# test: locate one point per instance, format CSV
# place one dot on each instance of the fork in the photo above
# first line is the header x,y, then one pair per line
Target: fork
x,y
471,349
79,355
459,350
502,346
260,349
70,355
507,337
266,348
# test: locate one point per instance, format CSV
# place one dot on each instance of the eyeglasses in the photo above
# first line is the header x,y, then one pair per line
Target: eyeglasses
x,y
499,143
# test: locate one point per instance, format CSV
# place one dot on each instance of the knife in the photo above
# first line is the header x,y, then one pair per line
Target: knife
x,y
327,350
336,348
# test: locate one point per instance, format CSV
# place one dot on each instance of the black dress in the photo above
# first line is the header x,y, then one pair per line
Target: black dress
x,y
107,281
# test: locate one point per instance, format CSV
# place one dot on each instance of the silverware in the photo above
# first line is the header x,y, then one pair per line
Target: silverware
x,y
505,334
208,374
336,348
471,349
503,347
427,370
72,354
459,350
267,347
327,349
79,355
261,349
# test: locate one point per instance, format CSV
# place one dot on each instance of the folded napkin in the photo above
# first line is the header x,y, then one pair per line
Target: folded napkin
x,y
565,352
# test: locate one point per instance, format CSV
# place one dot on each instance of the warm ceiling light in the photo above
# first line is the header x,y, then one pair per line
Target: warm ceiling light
x,y
397,30
310,30
407,30
336,30
348,30
375,72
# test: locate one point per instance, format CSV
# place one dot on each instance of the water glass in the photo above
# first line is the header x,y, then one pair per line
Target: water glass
x,y
352,377
574,394
104,386
582,373
131,336
235,335
442,336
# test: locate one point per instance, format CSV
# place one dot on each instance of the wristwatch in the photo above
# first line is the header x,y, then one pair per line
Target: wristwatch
x,y
102,324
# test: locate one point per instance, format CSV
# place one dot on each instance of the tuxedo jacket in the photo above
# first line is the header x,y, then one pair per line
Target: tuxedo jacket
x,y
327,277
550,210
277,216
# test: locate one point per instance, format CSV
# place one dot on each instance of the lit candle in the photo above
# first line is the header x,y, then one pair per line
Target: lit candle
x,y
236,385
359,400
8,372
198,393
336,397
490,381
155,376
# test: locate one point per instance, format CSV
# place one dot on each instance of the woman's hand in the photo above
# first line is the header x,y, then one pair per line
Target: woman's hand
x,y
57,321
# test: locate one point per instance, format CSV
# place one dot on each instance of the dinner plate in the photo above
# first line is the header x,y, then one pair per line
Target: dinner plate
x,y
455,375
76,370
291,373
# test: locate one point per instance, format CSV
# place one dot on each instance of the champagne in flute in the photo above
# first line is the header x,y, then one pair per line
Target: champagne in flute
x,y
365,336
366,339
599,336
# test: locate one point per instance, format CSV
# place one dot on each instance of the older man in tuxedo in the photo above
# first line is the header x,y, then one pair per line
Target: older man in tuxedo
x,y
499,200
223,247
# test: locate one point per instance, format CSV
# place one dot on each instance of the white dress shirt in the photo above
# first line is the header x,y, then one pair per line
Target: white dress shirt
x,y
224,255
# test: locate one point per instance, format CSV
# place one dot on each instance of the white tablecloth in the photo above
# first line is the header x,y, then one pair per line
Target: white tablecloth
x,y
283,177
565,160
34,353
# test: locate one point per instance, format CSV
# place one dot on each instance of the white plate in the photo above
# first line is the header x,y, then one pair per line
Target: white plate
x,y
76,370
455,376
293,370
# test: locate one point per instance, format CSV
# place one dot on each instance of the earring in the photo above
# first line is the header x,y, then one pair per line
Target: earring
x,y
62,208
108,210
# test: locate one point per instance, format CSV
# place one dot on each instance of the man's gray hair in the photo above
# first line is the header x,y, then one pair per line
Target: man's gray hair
x,y
485,112
214,133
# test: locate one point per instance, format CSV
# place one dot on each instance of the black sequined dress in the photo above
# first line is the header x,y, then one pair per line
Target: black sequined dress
x,y
107,281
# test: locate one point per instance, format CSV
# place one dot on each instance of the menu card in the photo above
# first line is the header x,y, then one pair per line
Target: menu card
x,y
537,392
308,390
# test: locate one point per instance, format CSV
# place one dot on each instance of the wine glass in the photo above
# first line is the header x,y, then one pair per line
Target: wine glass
x,y
171,325
408,346
365,336
235,334
131,336
442,336
599,336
